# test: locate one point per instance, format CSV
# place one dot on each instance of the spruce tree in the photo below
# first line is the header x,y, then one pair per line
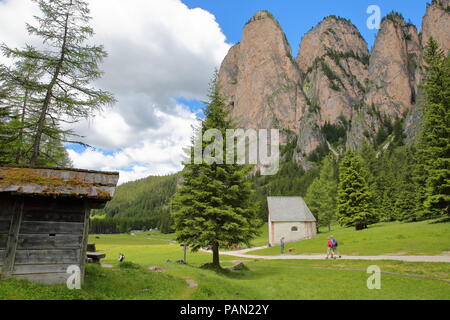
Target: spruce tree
x,y
433,149
213,205
404,195
69,65
313,199
386,185
321,194
354,199
374,176
5,117
6,136
21,102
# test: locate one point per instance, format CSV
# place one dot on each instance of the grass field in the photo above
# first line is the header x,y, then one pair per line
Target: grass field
x,y
394,238
337,279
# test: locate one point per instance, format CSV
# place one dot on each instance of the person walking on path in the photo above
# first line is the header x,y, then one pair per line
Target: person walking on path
x,y
282,245
335,247
330,248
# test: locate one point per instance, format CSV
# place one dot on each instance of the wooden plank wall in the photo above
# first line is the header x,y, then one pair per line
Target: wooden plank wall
x,y
6,209
50,239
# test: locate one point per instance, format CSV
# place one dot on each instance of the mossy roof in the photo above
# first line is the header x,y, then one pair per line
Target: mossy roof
x,y
58,182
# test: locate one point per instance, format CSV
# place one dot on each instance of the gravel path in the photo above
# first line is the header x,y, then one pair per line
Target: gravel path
x,y
242,254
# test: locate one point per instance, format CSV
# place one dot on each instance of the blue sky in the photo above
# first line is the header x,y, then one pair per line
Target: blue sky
x,y
298,17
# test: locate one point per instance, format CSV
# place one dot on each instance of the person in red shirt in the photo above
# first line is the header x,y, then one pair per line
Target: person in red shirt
x,y
330,248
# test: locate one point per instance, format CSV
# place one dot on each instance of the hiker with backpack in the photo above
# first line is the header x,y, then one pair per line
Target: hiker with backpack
x,y
335,247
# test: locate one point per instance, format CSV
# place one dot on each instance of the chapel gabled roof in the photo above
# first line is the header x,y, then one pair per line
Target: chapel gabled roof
x,y
289,209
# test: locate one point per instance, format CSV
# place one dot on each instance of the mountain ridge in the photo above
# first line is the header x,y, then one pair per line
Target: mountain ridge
x,y
335,82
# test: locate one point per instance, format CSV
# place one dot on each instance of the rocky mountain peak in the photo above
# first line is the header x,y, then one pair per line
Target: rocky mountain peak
x,y
260,15
392,68
333,59
332,33
259,78
436,23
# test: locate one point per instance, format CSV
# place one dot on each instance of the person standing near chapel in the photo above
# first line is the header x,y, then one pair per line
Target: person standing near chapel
x,y
282,245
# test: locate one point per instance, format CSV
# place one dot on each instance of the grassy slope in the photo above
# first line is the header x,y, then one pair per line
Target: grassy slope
x,y
420,238
263,280
101,284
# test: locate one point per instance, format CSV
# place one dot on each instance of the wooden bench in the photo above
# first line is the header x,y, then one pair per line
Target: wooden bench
x,y
92,255
95,257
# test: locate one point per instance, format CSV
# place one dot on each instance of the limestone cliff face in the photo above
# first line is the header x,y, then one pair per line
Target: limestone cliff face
x,y
436,23
334,82
260,80
332,33
393,62
228,75
333,59
391,87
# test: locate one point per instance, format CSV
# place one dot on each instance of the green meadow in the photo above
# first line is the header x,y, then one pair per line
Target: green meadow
x,y
261,279
393,238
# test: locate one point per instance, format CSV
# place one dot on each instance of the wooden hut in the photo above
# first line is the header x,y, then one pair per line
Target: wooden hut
x,y
44,219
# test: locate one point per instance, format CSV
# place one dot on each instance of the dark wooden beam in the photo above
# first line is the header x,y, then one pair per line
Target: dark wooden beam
x,y
13,236
87,213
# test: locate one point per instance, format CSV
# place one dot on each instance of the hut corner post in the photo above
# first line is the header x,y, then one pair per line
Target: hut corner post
x,y
84,242
13,237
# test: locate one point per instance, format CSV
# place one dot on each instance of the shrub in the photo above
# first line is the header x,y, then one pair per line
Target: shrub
x,y
129,265
317,155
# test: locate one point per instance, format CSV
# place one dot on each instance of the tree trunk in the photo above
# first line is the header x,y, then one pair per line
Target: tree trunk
x,y
22,123
215,250
360,226
48,97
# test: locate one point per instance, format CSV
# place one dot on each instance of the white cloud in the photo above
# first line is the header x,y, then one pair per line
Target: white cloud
x,y
154,151
12,21
159,50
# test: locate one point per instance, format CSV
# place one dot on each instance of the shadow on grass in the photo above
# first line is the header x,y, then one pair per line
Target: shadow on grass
x,y
243,272
227,272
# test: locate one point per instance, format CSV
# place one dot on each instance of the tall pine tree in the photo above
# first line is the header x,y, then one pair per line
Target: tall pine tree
x,y
213,205
354,200
321,194
6,133
69,65
433,149
404,195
